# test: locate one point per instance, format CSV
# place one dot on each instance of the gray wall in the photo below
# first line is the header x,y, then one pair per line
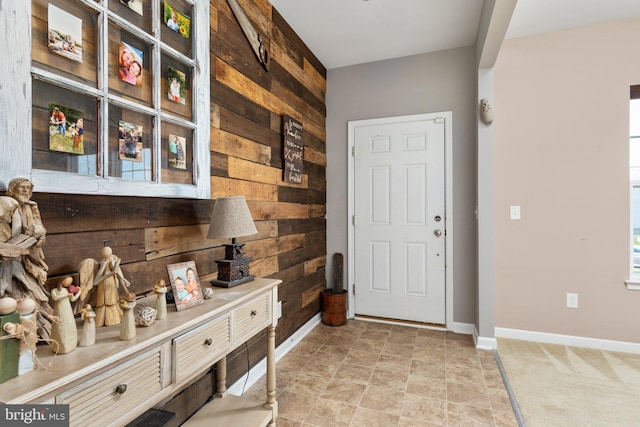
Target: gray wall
x,y
428,83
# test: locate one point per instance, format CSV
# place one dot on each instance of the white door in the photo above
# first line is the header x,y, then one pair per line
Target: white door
x,y
399,224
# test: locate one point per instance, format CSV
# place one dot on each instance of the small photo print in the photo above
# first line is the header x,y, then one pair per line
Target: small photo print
x,y
64,34
177,149
130,64
185,284
135,5
177,21
66,129
177,82
130,141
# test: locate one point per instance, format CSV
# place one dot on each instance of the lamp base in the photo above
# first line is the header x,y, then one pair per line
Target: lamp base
x,y
231,283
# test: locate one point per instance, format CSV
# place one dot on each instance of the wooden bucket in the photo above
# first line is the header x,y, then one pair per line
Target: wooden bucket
x,y
334,308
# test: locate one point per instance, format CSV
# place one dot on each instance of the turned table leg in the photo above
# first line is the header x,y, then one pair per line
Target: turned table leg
x,y
221,383
271,373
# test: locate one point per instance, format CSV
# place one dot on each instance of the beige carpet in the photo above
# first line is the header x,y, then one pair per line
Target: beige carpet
x,y
557,385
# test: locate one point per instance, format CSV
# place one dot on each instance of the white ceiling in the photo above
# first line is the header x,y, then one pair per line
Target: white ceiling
x,y
348,32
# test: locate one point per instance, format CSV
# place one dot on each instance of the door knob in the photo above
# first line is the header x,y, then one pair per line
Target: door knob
x,y
438,233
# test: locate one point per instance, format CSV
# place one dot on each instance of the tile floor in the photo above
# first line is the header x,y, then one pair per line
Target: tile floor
x,y
366,374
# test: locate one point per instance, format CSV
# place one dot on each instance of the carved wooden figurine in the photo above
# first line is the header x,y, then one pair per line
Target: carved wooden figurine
x,y
160,289
23,272
103,282
88,334
64,334
128,324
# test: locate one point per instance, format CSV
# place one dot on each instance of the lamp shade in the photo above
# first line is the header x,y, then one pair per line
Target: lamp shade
x,y
231,218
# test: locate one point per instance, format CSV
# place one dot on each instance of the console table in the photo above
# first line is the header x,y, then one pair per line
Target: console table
x,y
112,382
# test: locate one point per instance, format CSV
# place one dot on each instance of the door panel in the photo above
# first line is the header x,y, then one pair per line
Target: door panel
x,y
399,191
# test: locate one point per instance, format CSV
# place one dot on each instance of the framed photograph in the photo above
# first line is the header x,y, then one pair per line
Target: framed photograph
x,y
64,34
177,82
135,5
176,21
185,284
177,148
130,64
66,129
129,141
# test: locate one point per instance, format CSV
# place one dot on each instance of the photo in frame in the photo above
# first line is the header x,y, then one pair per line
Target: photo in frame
x,y
135,5
177,149
177,82
66,129
130,64
185,284
64,34
176,21
129,141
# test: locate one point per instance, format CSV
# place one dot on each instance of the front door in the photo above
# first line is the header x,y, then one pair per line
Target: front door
x,y
399,221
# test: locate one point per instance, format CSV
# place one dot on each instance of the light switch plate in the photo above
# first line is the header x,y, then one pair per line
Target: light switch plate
x,y
514,212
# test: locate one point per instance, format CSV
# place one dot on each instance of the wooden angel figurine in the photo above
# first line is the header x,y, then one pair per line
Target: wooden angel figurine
x,y
103,282
64,334
128,324
160,289
88,334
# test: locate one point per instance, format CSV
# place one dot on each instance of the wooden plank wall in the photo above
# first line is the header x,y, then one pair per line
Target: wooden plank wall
x,y
247,103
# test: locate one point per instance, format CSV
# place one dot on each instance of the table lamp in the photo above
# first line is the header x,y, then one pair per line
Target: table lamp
x,y
231,218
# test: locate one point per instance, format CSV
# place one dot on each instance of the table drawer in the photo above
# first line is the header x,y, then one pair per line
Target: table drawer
x,y
251,317
116,392
201,347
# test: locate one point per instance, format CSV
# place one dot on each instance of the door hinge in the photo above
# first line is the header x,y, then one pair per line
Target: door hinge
x,y
353,151
353,220
353,288
439,120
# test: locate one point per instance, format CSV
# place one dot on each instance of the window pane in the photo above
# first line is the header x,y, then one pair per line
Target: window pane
x,y
130,66
64,130
177,154
176,86
138,12
64,40
177,26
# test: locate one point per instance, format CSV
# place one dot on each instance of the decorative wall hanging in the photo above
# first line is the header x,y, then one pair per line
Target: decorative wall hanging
x,y
292,150
254,38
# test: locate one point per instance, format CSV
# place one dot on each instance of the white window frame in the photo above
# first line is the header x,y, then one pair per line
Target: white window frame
x,y
16,106
633,283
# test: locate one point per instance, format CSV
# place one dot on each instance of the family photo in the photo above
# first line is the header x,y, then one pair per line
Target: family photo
x,y
135,5
64,34
176,21
130,64
177,158
185,284
177,82
130,141
66,129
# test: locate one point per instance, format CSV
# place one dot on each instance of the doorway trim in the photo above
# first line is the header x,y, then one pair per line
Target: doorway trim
x,y
448,173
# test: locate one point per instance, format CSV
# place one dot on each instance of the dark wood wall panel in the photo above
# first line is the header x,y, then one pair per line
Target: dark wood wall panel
x,y
247,103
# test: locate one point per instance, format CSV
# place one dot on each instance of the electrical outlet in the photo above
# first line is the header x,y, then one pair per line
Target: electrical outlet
x,y
572,300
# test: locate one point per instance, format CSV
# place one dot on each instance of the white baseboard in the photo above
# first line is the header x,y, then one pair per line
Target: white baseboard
x,y
260,369
570,340
463,328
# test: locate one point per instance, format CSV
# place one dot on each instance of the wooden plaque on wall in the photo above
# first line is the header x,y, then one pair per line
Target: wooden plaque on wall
x,y
292,150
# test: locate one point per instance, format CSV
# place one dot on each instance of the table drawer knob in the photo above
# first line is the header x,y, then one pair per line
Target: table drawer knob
x,y
254,313
121,388
208,341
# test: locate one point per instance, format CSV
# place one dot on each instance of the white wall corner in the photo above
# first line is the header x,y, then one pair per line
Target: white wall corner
x,y
484,343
